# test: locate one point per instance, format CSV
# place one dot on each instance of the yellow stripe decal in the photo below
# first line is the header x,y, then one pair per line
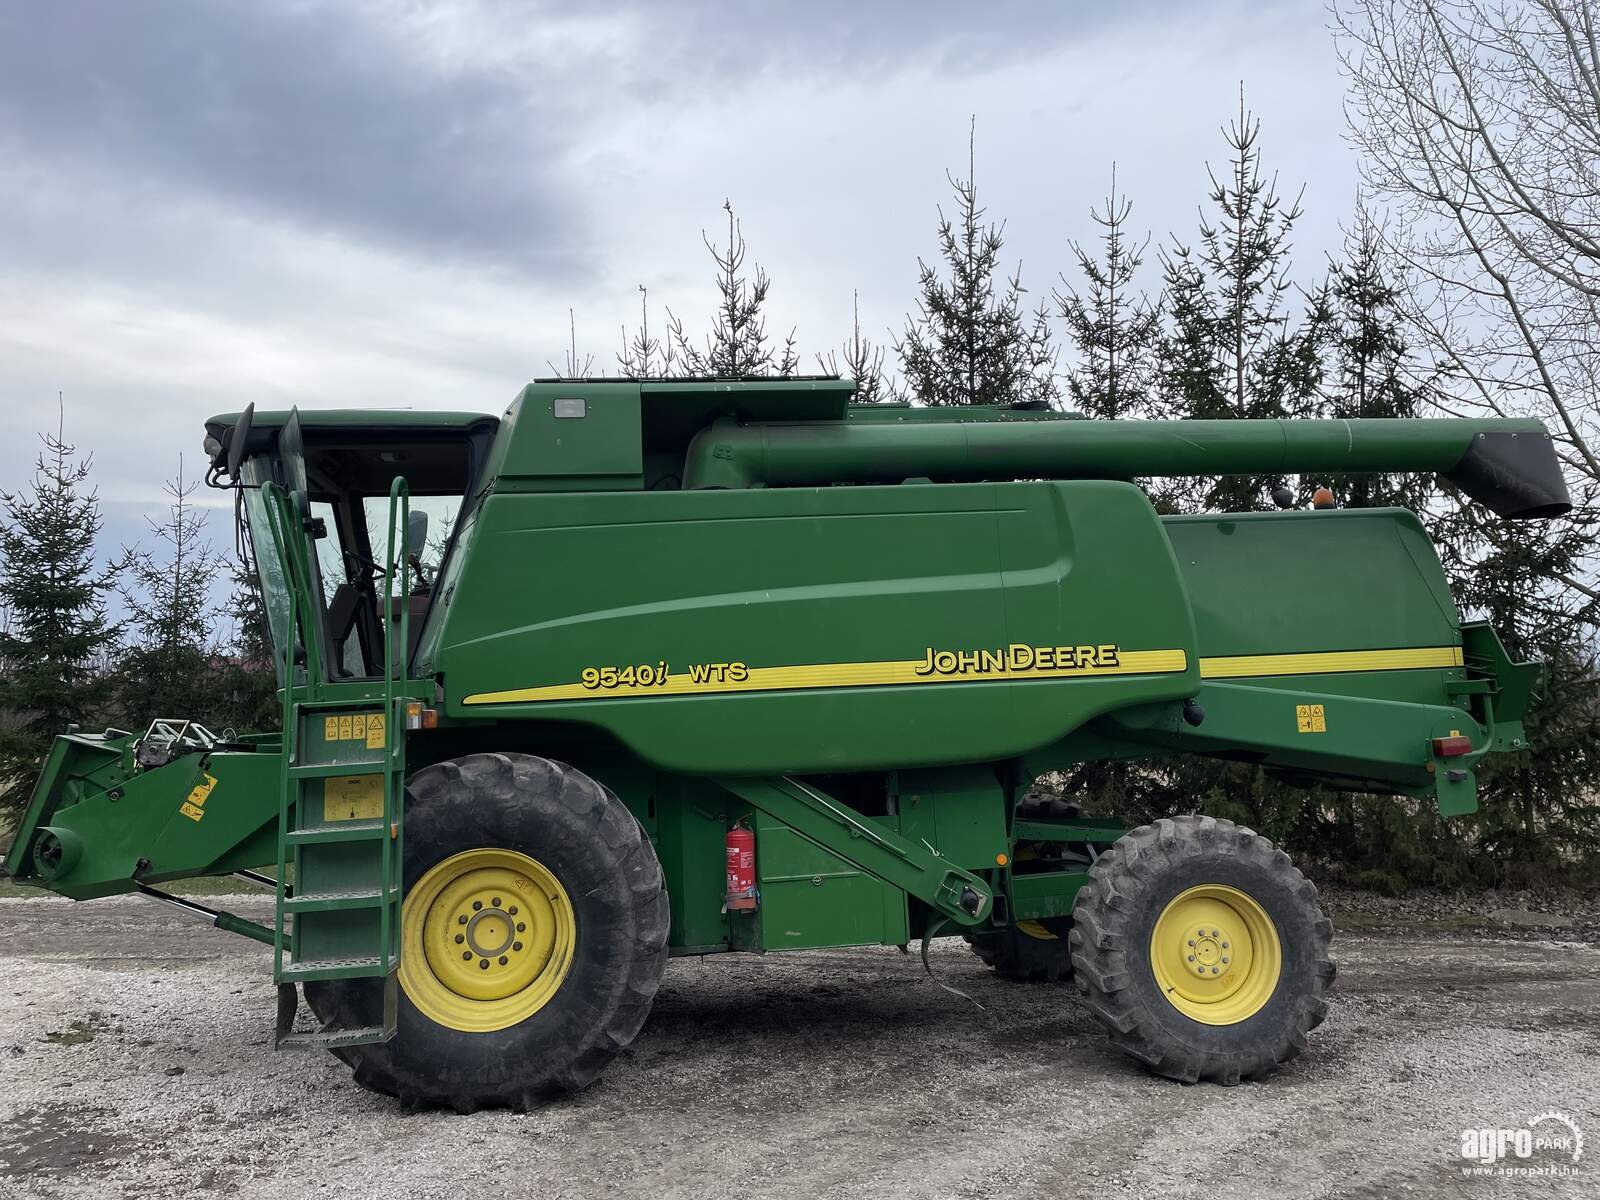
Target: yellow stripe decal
x,y
1249,665
836,675
911,671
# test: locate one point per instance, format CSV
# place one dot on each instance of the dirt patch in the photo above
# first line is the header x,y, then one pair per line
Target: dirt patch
x,y
77,1033
55,1140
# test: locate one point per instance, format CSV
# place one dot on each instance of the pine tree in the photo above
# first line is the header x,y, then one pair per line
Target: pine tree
x,y
1230,352
1372,374
971,341
1247,252
1190,380
246,683
643,356
53,593
1114,330
575,365
863,361
737,345
169,670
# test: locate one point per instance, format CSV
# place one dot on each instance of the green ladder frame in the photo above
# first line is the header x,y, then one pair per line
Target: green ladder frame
x,y
345,901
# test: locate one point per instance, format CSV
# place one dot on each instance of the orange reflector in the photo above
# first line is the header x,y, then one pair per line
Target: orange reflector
x,y
1001,859
1451,747
430,718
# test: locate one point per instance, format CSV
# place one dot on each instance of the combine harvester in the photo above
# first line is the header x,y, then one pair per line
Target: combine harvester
x,y
736,666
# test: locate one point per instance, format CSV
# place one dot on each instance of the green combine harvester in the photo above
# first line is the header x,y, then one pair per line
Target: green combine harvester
x,y
694,667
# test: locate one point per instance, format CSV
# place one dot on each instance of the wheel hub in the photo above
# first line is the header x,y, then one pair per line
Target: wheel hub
x,y
490,936
1215,954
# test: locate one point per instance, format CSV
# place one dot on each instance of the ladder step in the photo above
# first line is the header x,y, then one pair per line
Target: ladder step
x,y
359,766
337,968
339,831
335,1039
330,900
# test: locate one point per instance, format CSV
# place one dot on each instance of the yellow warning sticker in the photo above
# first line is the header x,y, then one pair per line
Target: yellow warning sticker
x,y
1309,718
193,805
358,727
352,798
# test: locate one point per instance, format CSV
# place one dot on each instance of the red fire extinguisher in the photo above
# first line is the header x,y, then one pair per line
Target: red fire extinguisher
x,y
741,868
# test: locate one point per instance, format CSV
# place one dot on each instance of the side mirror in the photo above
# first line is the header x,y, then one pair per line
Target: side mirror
x,y
236,440
416,533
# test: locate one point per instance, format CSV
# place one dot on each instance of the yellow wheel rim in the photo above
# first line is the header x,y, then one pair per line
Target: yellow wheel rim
x,y
489,937
1216,955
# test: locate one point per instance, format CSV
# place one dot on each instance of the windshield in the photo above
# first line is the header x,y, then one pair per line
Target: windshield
x,y
269,568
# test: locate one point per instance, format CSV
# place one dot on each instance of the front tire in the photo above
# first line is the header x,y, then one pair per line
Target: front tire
x,y
1202,950
500,1007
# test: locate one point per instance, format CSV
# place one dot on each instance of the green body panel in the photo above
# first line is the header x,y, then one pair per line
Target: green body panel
x,y
870,845
863,631
1046,894
1297,582
715,584
811,897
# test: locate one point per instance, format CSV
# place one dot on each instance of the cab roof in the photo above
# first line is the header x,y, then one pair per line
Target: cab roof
x,y
357,418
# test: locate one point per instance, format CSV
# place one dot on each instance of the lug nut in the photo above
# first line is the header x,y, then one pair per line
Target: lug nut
x,y
512,910
1224,962
522,927
1191,941
461,920
1191,957
497,901
1216,933
476,905
1216,970
467,956
503,960
460,937
1224,945
483,964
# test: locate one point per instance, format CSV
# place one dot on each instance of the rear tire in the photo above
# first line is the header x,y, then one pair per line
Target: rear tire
x,y
1220,1008
1031,952
614,928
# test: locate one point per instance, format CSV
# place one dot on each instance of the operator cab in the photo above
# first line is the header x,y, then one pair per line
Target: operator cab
x,y
340,466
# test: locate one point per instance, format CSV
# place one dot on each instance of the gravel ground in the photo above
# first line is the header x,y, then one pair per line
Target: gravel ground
x,y
135,1060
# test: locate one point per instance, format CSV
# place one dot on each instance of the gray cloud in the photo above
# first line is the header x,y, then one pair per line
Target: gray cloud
x,y
382,203
314,113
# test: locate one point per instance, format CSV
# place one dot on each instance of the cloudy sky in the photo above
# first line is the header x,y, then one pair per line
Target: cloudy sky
x,y
395,203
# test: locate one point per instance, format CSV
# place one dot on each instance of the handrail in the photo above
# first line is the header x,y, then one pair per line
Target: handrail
x,y
394,674
274,499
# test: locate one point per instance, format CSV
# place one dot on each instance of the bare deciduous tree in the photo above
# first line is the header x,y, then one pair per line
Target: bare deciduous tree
x,y
1479,124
